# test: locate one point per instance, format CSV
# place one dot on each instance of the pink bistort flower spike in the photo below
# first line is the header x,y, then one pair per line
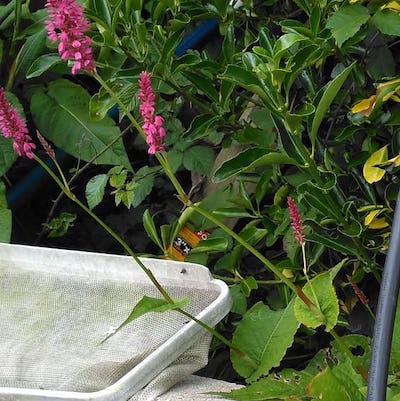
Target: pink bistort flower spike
x,y
12,125
297,223
152,123
67,25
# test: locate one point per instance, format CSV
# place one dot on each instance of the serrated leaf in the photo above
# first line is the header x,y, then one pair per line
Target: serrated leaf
x,y
287,384
326,300
250,159
199,159
347,21
264,335
95,190
387,21
370,171
61,113
59,225
146,305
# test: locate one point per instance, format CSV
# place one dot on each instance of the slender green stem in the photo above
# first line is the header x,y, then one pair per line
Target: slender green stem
x,y
244,243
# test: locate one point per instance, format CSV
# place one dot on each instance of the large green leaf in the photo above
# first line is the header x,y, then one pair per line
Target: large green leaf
x,y
250,159
327,98
263,335
387,21
347,21
61,113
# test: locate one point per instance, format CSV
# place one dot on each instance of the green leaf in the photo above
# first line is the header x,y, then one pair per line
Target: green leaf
x,y
347,21
287,384
61,113
42,64
231,212
101,9
150,228
5,216
322,293
203,85
246,79
199,159
330,93
142,184
5,225
146,305
200,126
387,21
263,335
318,200
29,52
7,154
250,159
95,190
334,241
333,384
395,353
211,245
59,225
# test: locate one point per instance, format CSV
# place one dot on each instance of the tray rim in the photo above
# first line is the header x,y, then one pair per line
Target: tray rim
x,y
158,360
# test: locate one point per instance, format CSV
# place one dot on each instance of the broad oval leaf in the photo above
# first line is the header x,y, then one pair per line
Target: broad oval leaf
x,y
61,113
263,335
387,21
95,190
347,21
322,294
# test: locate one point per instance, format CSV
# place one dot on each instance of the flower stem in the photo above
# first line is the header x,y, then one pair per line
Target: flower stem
x,y
244,243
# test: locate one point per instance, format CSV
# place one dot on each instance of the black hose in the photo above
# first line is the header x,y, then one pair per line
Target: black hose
x,y
385,315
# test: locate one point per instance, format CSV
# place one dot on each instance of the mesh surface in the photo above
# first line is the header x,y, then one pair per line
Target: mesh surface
x,y
51,327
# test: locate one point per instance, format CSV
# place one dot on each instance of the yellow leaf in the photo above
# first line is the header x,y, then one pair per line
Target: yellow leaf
x,y
373,222
371,216
364,106
372,173
395,161
393,5
377,224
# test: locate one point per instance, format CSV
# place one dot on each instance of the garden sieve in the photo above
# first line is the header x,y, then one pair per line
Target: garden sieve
x,y
58,305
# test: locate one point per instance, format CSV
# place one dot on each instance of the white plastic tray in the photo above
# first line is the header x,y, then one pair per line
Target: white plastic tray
x,y
83,268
